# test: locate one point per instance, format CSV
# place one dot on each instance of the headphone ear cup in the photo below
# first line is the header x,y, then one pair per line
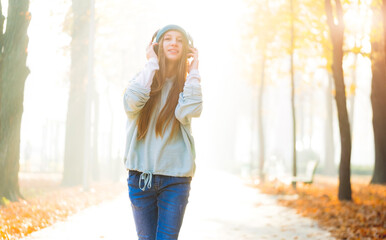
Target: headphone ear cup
x,y
154,35
190,40
156,49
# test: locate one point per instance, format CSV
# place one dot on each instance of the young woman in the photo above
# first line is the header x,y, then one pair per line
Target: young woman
x,y
160,103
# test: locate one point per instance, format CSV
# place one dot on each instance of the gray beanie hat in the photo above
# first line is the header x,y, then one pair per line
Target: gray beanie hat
x,y
163,30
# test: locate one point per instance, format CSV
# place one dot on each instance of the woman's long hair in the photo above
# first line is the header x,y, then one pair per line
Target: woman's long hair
x,y
166,115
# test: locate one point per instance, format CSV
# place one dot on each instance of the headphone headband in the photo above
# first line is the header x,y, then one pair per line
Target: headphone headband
x,y
159,33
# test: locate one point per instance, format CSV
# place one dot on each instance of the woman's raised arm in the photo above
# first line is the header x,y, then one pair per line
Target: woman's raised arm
x,y
138,92
190,100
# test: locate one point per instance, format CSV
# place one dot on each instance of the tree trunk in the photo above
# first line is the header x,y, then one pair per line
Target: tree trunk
x,y
329,167
95,162
13,74
352,96
293,95
260,121
311,116
73,172
384,25
378,98
2,19
336,33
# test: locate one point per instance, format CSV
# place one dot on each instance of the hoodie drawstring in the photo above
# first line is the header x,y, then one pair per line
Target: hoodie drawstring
x,y
146,176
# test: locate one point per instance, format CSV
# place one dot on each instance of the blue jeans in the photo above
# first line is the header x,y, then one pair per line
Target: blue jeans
x,y
158,211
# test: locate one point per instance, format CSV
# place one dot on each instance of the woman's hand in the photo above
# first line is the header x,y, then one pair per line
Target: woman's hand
x,y
150,50
194,54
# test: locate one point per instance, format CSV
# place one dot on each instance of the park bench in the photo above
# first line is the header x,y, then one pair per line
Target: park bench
x,y
274,170
308,176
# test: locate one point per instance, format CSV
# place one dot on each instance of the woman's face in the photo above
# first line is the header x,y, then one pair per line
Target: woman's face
x,y
172,45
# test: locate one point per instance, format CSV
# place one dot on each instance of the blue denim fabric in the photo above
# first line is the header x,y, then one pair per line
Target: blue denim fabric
x,y
158,211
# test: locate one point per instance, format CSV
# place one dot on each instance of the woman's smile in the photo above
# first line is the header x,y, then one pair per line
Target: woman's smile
x,y
173,51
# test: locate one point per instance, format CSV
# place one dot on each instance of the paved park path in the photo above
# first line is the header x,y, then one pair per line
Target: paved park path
x,y
220,207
